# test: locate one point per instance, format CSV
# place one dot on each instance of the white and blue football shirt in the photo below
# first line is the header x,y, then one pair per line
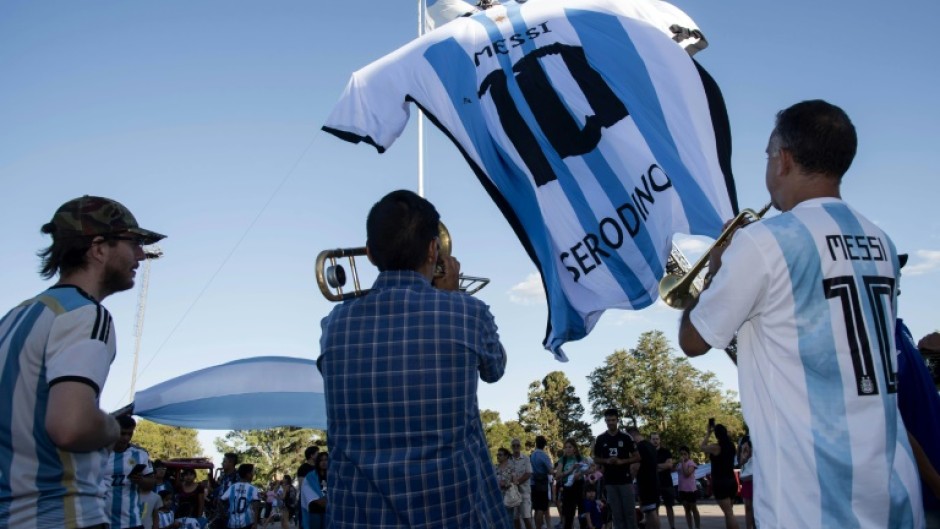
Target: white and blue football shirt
x,y
813,292
123,498
588,125
239,498
61,335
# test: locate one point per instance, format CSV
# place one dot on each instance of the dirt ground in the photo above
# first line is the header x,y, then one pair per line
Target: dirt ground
x,y
711,515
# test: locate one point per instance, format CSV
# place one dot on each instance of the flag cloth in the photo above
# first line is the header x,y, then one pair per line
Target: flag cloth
x,y
439,12
595,133
249,394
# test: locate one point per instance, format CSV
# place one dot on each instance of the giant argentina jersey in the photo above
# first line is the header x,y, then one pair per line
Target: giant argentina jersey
x,y
123,499
591,129
61,335
816,290
239,498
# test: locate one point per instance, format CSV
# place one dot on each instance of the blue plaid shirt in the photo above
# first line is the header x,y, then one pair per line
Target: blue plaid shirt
x,y
400,368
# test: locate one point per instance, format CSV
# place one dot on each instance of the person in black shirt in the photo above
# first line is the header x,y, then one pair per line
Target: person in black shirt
x,y
647,480
665,465
724,483
617,451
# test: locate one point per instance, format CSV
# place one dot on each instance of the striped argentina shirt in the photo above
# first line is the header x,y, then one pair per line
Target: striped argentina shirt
x,y
61,335
400,370
123,498
814,293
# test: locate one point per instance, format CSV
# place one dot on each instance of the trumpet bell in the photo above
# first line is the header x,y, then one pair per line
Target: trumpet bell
x,y
672,295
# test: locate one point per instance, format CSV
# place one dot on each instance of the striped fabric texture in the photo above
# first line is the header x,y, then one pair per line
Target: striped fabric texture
x,y
61,335
123,497
814,293
593,131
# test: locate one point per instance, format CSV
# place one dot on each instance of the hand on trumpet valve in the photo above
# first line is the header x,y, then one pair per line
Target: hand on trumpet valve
x,y
447,273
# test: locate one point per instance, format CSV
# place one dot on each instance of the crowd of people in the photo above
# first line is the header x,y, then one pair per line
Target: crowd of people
x,y
140,493
621,481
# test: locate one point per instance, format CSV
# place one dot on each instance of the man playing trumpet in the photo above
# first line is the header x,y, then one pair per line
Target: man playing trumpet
x,y
811,295
400,370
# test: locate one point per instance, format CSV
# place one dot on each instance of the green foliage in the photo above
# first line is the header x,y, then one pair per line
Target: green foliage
x,y
662,392
555,411
498,434
166,442
274,452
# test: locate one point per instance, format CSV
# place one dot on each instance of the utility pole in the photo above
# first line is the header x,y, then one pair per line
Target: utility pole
x,y
151,253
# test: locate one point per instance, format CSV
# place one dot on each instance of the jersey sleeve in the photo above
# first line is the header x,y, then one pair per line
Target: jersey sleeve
x,y
734,293
81,347
373,107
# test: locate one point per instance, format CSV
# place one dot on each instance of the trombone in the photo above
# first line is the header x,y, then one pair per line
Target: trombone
x,y
331,276
681,286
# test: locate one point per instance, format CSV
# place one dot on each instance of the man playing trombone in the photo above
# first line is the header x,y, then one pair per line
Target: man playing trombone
x,y
811,295
400,370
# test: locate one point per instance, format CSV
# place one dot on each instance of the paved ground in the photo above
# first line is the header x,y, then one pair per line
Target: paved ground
x,y
711,515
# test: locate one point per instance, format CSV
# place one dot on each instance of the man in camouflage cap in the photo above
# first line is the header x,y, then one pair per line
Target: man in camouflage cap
x,y
55,353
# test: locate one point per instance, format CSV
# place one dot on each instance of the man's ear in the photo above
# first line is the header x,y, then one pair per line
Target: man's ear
x,y
787,163
369,255
432,252
97,252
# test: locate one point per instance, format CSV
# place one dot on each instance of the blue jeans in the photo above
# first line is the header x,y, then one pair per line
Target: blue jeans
x,y
622,505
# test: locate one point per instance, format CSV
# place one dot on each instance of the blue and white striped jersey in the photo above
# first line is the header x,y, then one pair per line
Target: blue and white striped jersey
x,y
587,124
814,293
61,335
239,498
166,518
122,501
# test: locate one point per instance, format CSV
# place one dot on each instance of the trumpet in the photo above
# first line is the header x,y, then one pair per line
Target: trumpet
x,y
331,276
681,286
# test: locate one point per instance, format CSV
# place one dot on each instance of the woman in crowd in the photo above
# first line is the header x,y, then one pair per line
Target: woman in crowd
x,y
745,453
688,489
313,494
724,483
504,474
190,494
287,500
570,471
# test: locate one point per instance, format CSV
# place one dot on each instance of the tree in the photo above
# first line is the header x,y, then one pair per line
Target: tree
x,y
498,434
659,391
555,411
167,442
274,452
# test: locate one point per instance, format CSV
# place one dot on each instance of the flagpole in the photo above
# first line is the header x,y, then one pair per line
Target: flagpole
x,y
422,8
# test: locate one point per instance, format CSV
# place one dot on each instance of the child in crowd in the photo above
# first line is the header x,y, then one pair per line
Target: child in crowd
x,y
163,517
592,514
242,500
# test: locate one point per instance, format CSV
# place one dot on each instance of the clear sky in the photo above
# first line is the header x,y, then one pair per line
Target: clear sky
x,y
203,118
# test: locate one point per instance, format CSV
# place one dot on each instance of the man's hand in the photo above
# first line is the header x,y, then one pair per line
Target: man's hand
x,y
451,278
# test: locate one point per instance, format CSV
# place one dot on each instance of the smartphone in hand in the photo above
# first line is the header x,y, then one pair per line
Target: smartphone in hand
x,y
137,469
711,422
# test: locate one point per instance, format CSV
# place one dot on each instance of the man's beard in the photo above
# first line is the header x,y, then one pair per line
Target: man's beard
x,y
116,280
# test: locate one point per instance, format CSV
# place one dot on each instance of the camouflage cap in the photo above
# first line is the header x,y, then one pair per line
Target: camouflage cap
x,y
90,216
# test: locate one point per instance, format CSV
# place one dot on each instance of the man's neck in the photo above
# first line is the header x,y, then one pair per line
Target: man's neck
x,y
84,283
615,431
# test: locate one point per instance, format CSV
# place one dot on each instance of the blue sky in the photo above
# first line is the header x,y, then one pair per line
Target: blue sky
x,y
203,118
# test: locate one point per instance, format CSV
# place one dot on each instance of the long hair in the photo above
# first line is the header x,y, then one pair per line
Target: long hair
x,y
724,441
